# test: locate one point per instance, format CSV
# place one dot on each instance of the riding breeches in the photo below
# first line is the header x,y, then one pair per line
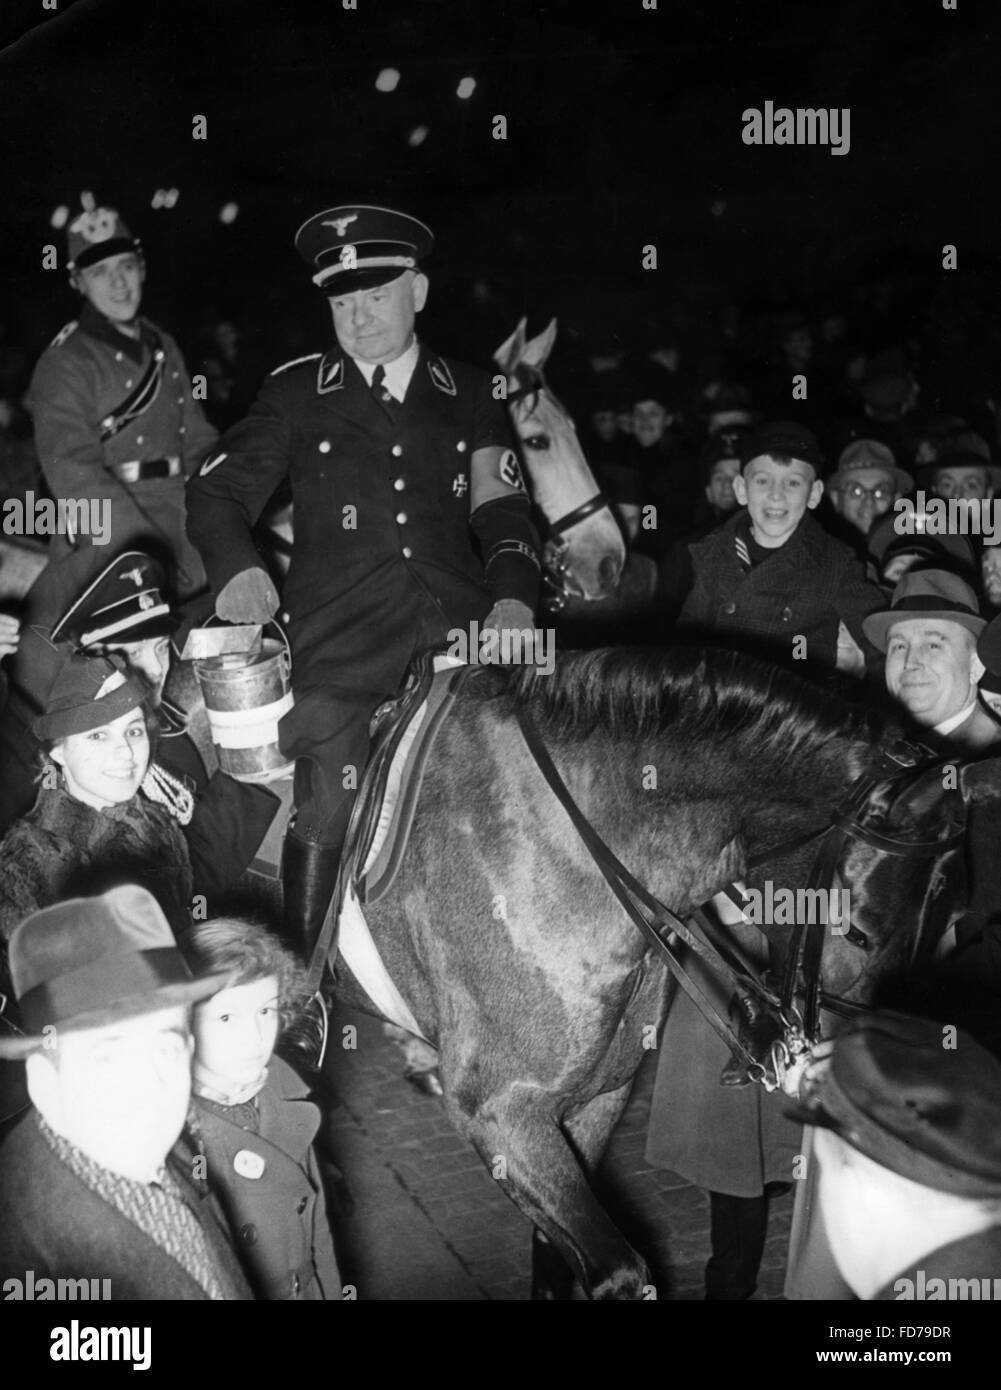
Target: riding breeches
x,y
327,731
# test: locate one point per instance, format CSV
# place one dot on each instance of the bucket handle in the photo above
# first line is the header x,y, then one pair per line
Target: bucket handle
x,y
286,655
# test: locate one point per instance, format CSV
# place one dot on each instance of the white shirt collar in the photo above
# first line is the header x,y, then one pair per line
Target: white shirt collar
x,y
948,725
398,372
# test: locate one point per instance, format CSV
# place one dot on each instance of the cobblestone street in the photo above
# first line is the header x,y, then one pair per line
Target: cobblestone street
x,y
430,1223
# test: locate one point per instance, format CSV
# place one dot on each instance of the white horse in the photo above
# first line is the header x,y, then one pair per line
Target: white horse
x,y
585,551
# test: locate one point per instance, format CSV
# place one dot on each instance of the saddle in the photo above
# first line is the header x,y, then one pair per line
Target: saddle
x,y
403,733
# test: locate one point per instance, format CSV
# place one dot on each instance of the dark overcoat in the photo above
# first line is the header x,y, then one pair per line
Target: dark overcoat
x,y
52,1223
269,1185
803,589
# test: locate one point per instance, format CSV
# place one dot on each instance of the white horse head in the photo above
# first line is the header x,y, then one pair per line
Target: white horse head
x,y
586,552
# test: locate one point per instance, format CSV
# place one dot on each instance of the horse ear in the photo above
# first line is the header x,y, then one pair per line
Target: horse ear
x,y
980,781
511,352
537,351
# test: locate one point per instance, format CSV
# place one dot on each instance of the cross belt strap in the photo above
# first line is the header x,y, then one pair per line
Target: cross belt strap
x,y
139,400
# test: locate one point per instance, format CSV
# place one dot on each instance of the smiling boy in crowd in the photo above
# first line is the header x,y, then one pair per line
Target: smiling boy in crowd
x,y
771,579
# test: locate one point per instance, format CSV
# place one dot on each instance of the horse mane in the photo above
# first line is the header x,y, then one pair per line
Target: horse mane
x,y
691,694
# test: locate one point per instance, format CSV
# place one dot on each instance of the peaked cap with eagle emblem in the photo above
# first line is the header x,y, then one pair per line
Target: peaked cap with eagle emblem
x,y
359,247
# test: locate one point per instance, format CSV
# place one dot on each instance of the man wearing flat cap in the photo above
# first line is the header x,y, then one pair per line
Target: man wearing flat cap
x,y
866,484
85,1189
410,517
115,419
908,1142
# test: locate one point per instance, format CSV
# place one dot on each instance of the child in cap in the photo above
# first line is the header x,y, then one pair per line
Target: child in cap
x,y
771,578
252,1122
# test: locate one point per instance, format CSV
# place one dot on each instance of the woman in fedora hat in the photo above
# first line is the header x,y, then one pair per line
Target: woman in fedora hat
x,y
105,813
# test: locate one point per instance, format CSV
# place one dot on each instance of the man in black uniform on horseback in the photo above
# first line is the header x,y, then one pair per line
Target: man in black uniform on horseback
x,y
397,460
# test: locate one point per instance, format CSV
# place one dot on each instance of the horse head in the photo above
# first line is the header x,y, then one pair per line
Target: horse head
x,y
585,552
905,869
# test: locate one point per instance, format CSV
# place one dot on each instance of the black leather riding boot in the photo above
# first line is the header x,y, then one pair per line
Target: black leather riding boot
x,y
757,1030
309,873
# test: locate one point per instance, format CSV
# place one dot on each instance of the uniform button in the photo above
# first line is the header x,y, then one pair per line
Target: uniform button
x,y
407,552
461,446
129,382
396,450
139,440
248,1233
118,356
176,375
180,400
301,1205
401,518
182,430
295,1285
399,484
730,608
324,446
284,617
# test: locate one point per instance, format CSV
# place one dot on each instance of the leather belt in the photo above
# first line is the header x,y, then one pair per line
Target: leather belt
x,y
141,470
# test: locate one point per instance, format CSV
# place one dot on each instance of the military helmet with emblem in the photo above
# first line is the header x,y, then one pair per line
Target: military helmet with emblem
x,y
97,233
359,247
123,604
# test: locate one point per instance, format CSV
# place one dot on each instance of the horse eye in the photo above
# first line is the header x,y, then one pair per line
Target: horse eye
x,y
537,441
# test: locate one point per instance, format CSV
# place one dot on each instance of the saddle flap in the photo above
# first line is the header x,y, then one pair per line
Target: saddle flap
x,y
404,735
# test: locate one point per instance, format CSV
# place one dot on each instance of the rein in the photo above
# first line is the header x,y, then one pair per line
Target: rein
x,y
657,923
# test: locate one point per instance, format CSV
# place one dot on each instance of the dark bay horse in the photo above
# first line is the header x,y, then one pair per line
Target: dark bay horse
x,y
515,957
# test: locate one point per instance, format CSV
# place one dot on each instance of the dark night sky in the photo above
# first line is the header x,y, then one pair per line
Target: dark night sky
x,y
624,128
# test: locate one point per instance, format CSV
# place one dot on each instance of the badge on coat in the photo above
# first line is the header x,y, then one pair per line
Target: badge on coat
x,y
509,471
249,1165
460,485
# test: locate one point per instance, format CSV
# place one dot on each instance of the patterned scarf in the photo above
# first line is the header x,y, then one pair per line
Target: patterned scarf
x,y
156,1208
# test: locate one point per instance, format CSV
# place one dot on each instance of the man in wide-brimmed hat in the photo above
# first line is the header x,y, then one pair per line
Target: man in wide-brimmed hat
x,y
929,634
104,997
964,469
908,1141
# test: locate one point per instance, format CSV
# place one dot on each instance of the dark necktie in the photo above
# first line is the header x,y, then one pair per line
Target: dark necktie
x,y
378,388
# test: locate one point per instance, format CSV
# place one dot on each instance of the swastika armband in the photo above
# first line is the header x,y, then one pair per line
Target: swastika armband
x,y
510,547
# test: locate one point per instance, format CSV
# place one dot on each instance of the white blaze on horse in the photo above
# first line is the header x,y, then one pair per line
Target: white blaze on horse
x,y
585,552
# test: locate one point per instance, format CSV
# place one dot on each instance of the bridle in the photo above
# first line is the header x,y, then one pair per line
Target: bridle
x,y
557,573
662,928
848,822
